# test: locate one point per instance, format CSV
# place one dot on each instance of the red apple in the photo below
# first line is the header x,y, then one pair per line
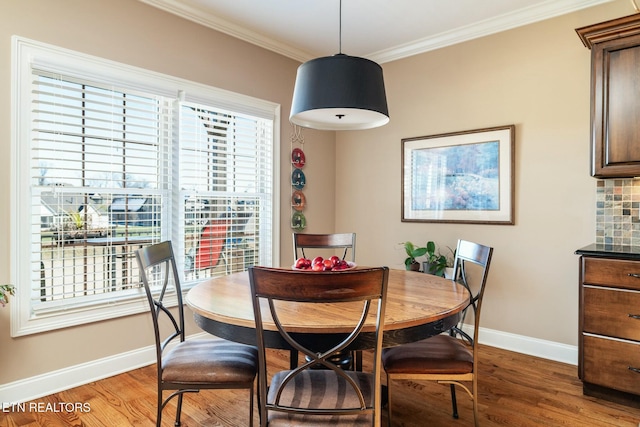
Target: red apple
x,y
341,265
334,260
318,267
328,263
317,260
302,263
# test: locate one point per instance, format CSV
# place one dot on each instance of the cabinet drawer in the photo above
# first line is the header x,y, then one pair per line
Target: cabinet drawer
x,y
611,312
606,362
611,272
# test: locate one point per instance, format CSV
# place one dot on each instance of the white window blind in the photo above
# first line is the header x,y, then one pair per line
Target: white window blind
x,y
109,158
226,171
99,168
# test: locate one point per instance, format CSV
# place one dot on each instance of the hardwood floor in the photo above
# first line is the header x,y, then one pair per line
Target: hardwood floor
x,y
515,390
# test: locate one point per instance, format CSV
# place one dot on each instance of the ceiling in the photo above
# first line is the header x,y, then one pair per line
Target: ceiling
x,y
381,30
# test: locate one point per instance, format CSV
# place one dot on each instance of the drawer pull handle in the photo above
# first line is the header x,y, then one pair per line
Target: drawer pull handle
x,y
636,370
634,316
636,275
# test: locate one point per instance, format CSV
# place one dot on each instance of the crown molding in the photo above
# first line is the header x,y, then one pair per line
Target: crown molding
x,y
546,10
211,21
529,15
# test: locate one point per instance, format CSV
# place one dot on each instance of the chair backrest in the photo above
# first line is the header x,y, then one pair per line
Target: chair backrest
x,y
356,294
468,254
158,271
346,241
210,244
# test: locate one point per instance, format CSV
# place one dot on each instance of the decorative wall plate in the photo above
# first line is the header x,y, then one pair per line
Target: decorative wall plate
x,y
298,179
298,201
297,158
298,221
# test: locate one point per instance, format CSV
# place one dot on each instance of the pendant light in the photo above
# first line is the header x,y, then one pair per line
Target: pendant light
x,y
339,92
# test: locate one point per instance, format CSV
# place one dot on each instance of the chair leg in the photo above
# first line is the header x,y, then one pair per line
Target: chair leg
x,y
159,415
454,403
476,418
388,401
178,411
357,360
293,359
251,392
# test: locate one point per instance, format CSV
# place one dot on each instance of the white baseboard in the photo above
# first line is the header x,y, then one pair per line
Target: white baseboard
x,y
532,346
74,376
52,382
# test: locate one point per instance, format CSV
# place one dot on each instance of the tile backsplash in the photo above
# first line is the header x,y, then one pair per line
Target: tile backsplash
x,y
617,210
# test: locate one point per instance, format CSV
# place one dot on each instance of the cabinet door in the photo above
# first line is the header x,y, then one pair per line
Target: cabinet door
x,y
616,108
615,273
611,312
612,363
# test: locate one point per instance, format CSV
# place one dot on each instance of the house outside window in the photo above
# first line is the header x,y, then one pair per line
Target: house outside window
x,y
111,158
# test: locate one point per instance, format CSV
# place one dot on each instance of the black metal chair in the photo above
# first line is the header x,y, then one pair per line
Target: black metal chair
x,y
347,243
320,397
188,366
449,358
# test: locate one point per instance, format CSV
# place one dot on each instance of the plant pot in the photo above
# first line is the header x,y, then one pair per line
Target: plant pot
x,y
414,266
430,268
427,267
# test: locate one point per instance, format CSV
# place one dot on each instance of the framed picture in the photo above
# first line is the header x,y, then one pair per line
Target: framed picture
x,y
461,177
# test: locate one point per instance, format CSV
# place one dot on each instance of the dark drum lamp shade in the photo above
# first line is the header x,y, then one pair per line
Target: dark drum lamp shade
x,y
339,92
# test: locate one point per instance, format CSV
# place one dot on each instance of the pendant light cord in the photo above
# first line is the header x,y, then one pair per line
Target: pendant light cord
x,y
340,29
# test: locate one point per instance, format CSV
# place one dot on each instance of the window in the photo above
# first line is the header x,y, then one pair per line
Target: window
x,y
110,158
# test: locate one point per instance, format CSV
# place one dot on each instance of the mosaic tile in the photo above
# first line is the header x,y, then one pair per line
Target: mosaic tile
x,y
618,211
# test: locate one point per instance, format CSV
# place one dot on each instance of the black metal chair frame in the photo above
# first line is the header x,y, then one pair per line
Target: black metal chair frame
x,y
366,285
480,255
347,242
159,258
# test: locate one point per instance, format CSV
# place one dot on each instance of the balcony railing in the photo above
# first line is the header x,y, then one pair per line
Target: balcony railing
x,y
78,267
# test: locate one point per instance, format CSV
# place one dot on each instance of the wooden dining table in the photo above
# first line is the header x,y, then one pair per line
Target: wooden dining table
x,y
418,306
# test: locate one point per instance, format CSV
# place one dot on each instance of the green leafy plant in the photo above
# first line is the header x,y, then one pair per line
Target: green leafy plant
x,y
436,262
413,252
5,291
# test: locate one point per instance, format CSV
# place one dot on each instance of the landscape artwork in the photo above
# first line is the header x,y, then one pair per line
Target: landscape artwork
x,y
461,177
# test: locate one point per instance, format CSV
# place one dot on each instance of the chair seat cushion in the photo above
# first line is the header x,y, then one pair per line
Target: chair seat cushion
x,y
441,354
210,361
317,388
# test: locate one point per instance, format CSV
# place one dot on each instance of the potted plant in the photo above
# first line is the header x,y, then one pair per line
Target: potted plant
x,y
413,252
5,291
437,263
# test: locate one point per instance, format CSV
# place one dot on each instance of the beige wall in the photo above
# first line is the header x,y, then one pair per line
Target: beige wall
x,y
536,77
131,32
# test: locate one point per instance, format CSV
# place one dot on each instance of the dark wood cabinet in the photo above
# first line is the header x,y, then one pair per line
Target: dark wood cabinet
x,y
615,96
609,341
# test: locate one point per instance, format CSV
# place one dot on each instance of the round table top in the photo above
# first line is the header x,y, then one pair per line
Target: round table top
x,y
413,299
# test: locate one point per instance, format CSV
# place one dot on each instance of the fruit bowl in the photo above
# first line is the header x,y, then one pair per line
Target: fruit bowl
x,y
349,266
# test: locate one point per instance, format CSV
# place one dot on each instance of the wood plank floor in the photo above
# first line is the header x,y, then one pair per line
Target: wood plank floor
x,y
515,390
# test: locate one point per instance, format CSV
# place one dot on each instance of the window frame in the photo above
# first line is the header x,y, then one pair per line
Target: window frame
x,y
27,54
